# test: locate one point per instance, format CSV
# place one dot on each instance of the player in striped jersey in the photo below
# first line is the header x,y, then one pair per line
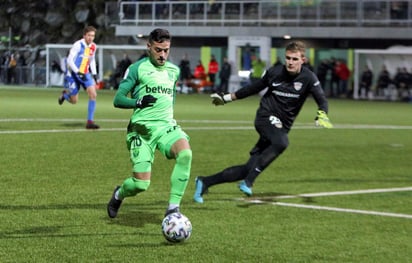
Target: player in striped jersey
x,y
81,72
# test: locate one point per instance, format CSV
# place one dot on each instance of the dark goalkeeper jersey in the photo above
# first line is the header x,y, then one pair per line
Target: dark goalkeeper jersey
x,y
286,94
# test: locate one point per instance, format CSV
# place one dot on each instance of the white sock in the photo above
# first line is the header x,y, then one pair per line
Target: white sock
x,y
116,195
172,206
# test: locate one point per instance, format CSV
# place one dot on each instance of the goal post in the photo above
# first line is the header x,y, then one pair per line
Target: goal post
x,y
392,58
107,57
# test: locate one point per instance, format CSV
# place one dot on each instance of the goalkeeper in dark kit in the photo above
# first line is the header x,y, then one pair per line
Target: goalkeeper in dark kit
x,y
287,87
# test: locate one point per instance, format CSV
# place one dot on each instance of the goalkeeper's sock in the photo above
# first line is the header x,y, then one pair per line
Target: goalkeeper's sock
x,y
180,176
251,177
264,159
117,196
90,110
231,174
172,206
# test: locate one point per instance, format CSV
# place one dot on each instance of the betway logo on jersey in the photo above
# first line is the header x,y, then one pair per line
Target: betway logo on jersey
x,y
285,94
159,89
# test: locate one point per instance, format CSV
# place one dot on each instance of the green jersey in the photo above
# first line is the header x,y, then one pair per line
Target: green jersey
x,y
143,78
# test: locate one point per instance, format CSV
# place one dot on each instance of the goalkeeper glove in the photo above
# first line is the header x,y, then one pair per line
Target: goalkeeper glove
x,y
221,98
323,120
146,101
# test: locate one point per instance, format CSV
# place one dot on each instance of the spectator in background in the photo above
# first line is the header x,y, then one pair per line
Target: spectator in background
x,y
322,72
199,72
365,83
56,74
384,80
343,73
55,67
121,68
124,64
21,66
11,70
399,9
2,68
224,76
213,69
213,8
114,82
334,79
401,81
308,65
185,72
258,67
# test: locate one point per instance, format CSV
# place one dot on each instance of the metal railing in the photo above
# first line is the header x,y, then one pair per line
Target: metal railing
x,y
299,13
23,75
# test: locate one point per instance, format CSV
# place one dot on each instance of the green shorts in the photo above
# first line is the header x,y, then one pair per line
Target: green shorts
x,y
142,147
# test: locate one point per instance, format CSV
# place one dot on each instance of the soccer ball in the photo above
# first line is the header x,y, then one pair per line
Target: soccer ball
x,y
176,227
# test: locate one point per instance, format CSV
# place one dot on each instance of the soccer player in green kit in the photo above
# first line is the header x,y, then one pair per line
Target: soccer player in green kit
x,y
151,83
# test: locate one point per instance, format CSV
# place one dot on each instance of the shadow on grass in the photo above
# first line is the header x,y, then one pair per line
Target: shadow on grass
x,y
133,216
136,219
163,243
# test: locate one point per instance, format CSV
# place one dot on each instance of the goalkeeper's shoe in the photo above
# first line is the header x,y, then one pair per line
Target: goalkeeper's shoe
x,y
323,120
114,204
171,211
61,98
245,189
199,190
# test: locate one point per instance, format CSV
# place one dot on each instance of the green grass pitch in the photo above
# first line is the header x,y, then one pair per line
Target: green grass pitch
x,y
56,179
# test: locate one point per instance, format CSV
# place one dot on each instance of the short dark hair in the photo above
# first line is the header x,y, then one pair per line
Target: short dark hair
x,y
87,29
159,35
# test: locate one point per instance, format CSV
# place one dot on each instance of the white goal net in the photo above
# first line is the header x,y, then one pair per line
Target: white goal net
x,y
392,58
107,57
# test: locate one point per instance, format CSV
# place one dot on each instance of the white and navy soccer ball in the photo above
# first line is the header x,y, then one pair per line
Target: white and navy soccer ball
x,y
176,228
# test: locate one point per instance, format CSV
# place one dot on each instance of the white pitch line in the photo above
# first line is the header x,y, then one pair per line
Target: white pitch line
x,y
118,129
248,122
120,120
345,210
208,128
60,131
355,192
337,209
